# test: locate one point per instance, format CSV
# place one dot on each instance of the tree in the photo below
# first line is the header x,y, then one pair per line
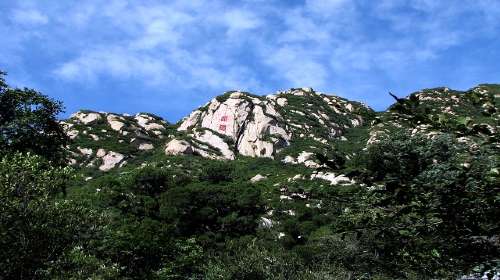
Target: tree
x,y
37,227
217,171
28,123
433,207
137,238
213,212
78,263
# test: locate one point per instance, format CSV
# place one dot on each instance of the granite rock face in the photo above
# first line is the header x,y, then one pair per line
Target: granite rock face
x,y
110,160
242,121
121,136
261,126
178,147
292,126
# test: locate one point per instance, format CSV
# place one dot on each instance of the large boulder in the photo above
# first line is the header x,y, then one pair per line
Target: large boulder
x,y
109,159
178,147
257,178
149,122
115,122
86,117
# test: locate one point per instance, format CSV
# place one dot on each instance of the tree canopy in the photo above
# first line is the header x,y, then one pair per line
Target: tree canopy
x,y
28,123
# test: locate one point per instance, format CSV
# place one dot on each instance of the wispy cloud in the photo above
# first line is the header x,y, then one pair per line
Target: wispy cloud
x,y
238,20
248,44
29,17
306,43
117,62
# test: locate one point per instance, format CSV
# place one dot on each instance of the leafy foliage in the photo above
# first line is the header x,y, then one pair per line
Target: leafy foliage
x,y
431,212
36,228
216,212
28,123
423,205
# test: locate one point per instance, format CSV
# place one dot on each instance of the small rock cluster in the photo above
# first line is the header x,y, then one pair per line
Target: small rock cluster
x,y
111,138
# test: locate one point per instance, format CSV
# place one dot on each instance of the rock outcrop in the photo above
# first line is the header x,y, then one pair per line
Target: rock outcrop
x,y
292,126
261,126
124,136
178,147
110,160
86,117
257,178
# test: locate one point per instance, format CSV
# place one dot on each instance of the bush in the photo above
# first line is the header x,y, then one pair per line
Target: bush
x,y
255,262
216,172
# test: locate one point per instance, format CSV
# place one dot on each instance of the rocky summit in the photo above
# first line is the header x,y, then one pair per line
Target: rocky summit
x,y
239,123
291,126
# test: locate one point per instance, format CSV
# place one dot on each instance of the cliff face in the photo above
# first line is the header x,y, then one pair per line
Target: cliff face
x,y
240,123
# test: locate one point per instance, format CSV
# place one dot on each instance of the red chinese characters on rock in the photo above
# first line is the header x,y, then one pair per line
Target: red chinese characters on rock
x,y
222,127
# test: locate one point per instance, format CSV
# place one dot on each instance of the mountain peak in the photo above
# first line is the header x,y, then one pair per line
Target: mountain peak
x,y
261,126
290,125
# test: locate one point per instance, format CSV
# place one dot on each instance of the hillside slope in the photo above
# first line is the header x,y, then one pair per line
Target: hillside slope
x,y
292,126
106,140
303,178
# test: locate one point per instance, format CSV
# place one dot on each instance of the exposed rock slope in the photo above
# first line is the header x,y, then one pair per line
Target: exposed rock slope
x,y
292,126
241,123
473,115
107,140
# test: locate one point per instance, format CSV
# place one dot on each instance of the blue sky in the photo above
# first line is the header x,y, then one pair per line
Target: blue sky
x,y
169,57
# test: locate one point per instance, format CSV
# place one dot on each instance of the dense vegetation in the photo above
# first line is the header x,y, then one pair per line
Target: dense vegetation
x,y
420,209
28,122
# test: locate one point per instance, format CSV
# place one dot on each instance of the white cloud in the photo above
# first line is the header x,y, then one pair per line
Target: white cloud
x,y
29,17
117,62
197,43
302,28
351,57
237,20
156,33
326,7
220,45
424,5
165,44
297,67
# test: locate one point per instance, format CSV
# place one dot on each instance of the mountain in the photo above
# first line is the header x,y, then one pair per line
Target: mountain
x,y
292,126
239,123
325,134
230,125
294,185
